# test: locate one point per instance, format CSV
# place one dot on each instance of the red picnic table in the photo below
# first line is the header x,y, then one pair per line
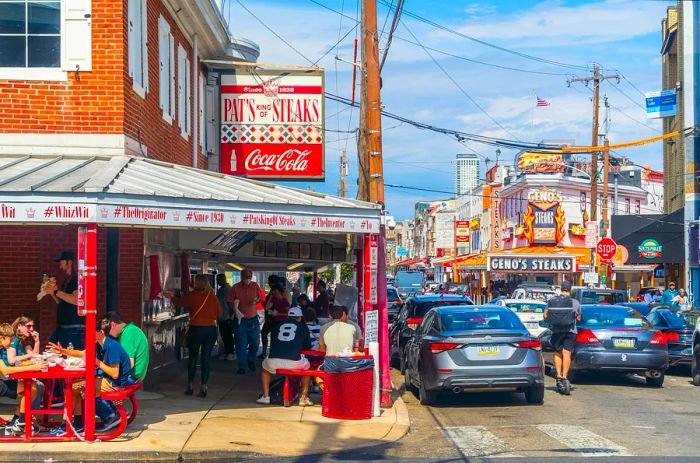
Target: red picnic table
x,y
52,373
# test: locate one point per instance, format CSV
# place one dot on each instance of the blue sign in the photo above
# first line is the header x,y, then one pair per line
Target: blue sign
x,y
661,104
401,252
659,271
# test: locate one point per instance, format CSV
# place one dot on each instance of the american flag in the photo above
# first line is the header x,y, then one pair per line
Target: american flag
x,y
541,102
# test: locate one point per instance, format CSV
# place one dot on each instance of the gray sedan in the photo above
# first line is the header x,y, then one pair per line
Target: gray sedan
x,y
616,339
471,348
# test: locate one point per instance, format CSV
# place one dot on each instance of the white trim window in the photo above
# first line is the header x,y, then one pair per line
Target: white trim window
x,y
40,39
166,64
184,92
138,45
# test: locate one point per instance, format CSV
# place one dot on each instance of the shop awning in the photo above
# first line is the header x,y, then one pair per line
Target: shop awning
x,y
633,268
472,262
583,255
131,191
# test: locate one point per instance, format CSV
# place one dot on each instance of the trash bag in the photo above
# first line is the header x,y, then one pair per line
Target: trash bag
x,y
346,364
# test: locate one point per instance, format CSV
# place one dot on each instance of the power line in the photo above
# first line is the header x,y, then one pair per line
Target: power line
x,y
394,25
464,92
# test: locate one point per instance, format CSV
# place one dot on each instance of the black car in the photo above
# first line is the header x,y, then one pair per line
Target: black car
x,y
678,328
411,315
641,307
614,338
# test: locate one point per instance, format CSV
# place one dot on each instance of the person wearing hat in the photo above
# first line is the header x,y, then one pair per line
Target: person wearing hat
x,y
669,294
70,327
289,338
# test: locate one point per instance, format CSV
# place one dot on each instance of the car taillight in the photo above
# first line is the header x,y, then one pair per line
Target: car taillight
x,y
586,336
397,300
658,339
437,347
530,344
672,336
413,322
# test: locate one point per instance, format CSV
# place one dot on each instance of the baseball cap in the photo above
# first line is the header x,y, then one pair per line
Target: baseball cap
x,y
566,285
295,312
66,255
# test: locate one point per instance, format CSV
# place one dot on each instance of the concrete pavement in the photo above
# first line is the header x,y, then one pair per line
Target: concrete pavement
x,y
227,424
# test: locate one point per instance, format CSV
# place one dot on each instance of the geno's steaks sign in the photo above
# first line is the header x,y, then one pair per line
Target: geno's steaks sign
x,y
536,264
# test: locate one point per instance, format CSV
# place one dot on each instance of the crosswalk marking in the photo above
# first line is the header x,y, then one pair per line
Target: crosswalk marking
x,y
477,441
583,441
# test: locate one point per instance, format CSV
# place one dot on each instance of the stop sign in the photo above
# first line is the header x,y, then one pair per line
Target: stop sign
x,y
606,249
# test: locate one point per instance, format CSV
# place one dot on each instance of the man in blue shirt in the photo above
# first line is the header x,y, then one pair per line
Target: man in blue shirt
x,y
113,371
669,294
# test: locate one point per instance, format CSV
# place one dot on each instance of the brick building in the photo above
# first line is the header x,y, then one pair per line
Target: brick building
x,y
102,78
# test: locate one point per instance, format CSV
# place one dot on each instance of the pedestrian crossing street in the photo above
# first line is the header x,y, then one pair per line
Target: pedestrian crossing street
x,y
531,440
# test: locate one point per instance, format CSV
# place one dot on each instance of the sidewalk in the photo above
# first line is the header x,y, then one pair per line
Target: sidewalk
x,y
228,424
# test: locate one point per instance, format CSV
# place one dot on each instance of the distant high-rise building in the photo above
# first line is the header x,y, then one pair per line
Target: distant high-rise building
x,y
466,172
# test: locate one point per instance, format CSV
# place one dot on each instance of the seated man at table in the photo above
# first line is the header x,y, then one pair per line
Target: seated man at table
x,y
289,338
10,388
113,371
338,336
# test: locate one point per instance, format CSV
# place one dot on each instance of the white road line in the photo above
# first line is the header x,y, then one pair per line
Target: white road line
x,y
583,441
476,441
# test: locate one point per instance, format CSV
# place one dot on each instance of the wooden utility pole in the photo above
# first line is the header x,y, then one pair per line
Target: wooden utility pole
x,y
343,173
372,102
606,168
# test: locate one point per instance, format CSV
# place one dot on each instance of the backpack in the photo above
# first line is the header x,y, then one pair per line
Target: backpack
x,y
276,391
561,314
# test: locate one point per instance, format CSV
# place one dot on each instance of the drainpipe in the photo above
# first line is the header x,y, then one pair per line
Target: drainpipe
x,y
195,100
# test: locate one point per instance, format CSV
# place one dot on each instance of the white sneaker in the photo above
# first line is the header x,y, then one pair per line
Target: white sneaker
x,y
230,357
305,402
263,400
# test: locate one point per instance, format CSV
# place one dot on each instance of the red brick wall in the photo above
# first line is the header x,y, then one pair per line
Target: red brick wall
x,y
163,140
89,102
29,252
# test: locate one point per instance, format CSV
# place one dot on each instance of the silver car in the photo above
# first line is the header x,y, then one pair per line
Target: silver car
x,y
463,348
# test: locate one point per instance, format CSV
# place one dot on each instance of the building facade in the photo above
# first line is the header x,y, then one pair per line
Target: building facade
x,y
466,172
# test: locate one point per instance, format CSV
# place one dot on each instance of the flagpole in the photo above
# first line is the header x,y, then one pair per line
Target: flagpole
x,y
532,117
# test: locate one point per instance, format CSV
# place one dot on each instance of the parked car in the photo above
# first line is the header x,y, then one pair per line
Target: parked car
x,y
617,339
392,295
641,307
678,327
529,311
586,295
461,348
648,289
410,283
455,288
411,315
540,293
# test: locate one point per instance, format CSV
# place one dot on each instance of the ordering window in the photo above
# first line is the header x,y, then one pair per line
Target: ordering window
x,y
41,39
138,43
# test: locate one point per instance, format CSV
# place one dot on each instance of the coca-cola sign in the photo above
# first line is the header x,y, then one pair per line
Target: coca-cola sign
x,y
272,124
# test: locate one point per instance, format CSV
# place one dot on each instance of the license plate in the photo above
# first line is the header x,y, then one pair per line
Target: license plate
x,y
488,350
627,343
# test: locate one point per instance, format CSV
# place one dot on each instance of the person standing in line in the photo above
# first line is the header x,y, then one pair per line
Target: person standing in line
x,y
669,294
322,303
70,327
562,313
228,324
272,281
201,336
245,297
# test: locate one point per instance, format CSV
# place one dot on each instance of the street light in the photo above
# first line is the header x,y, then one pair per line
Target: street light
x,y
532,164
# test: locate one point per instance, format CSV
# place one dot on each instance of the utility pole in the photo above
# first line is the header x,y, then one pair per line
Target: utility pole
x,y
596,79
343,172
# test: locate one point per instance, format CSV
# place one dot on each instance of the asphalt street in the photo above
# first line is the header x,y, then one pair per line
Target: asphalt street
x,y
614,418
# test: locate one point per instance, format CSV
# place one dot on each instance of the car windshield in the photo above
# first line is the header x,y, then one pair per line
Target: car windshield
x,y
602,297
480,319
526,307
611,317
540,294
680,320
424,307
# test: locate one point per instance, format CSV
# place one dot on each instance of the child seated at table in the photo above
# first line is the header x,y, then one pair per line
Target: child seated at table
x,y
10,387
113,371
313,326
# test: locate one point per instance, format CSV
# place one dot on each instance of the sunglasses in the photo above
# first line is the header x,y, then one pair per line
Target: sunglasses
x,y
30,325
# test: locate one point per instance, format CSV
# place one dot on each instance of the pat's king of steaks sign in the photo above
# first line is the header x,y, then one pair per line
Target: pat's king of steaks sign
x,y
272,124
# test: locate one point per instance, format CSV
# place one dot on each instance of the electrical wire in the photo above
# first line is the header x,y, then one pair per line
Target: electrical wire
x,y
394,25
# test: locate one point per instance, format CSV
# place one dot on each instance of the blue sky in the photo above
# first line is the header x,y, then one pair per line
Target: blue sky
x,y
619,34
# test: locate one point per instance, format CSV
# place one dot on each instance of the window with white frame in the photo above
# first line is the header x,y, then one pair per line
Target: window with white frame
x,y
138,45
166,64
38,35
184,103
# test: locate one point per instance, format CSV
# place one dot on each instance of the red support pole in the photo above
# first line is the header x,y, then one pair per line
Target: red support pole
x,y
382,307
366,277
89,266
360,281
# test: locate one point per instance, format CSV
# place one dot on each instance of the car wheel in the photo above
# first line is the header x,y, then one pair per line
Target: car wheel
x,y
426,396
535,394
656,382
402,363
408,385
695,365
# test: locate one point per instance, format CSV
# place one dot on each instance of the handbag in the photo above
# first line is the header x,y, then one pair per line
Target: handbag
x,y
185,329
